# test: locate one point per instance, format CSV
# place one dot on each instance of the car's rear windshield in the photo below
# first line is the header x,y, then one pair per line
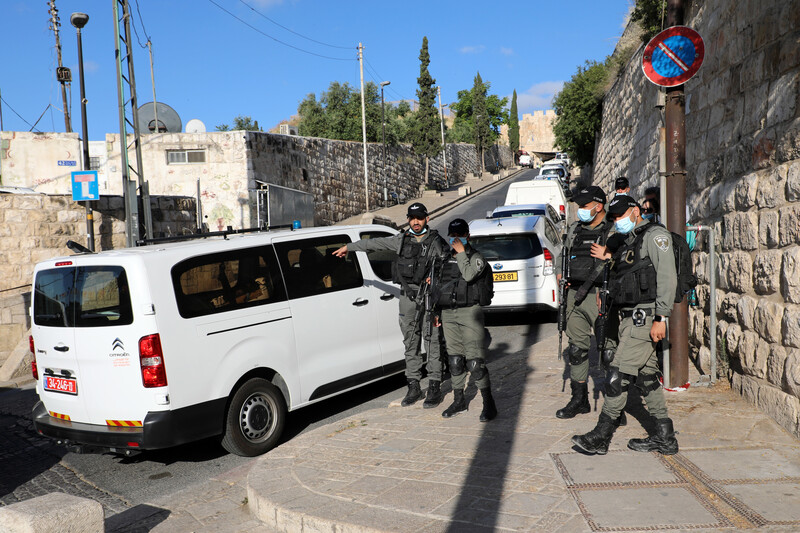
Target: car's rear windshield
x,y
518,213
507,247
93,296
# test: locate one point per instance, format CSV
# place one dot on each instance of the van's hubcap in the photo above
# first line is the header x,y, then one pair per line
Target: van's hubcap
x,y
257,417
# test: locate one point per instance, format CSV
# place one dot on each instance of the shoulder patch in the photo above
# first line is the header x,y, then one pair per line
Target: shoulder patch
x,y
662,241
479,263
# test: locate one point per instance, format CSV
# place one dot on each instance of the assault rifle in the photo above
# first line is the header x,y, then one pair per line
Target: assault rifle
x,y
426,298
562,300
601,323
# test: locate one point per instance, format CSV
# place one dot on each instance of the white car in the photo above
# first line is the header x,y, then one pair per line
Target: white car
x,y
538,191
526,161
521,251
525,210
151,347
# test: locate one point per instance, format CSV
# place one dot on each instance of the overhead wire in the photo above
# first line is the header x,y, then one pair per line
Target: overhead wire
x,y
278,40
15,111
292,31
388,87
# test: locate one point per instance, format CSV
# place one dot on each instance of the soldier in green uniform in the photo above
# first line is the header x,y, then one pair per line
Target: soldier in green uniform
x,y
465,286
643,286
416,248
584,276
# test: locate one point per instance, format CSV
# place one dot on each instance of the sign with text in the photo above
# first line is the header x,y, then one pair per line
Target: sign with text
x,y
673,56
67,163
85,186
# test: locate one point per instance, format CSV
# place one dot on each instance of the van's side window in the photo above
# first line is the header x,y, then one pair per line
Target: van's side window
x,y
310,267
381,260
226,281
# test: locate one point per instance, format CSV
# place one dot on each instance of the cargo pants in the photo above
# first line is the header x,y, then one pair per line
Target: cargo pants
x,y
412,339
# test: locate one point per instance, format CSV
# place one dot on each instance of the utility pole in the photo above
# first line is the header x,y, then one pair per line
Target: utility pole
x,y
675,115
62,74
383,130
364,126
444,144
153,82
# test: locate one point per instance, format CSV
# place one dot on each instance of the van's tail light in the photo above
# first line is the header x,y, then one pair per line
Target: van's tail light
x,y
154,373
548,262
34,368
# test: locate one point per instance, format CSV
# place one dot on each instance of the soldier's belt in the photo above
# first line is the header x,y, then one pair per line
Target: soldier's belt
x,y
638,311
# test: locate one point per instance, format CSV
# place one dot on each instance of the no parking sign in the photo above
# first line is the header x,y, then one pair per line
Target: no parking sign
x,y
673,56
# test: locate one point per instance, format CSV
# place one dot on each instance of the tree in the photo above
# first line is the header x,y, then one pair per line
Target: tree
x,y
650,16
337,113
513,126
480,117
463,130
425,134
579,106
240,122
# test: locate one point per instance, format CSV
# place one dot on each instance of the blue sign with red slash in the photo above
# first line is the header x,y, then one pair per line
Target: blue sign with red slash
x,y
673,56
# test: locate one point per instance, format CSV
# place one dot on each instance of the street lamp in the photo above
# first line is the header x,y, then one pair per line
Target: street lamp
x,y
79,20
383,127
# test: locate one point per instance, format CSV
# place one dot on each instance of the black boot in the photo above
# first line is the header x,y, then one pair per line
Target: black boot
x,y
579,403
598,439
622,420
662,440
489,408
434,397
458,405
414,393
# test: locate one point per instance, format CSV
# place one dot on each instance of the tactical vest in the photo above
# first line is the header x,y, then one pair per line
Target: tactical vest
x,y
412,259
633,279
454,291
581,265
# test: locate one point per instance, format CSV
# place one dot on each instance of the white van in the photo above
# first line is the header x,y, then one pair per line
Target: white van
x,y
538,191
151,347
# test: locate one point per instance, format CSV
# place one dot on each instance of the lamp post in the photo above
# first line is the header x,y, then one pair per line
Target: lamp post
x,y
79,20
383,128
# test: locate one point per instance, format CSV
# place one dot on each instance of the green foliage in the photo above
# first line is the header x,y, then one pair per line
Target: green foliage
x,y
241,122
513,125
426,129
480,116
579,106
463,130
649,14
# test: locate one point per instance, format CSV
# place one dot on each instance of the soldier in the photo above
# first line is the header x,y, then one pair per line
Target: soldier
x,y
416,248
584,276
466,285
643,288
621,186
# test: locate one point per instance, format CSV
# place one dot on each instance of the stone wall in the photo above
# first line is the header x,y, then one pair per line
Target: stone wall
x,y
743,179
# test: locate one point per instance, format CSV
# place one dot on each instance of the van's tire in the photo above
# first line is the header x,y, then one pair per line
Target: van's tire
x,y
255,418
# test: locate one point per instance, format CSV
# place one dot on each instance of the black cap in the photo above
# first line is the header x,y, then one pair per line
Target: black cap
x,y
621,183
458,226
588,194
417,210
620,204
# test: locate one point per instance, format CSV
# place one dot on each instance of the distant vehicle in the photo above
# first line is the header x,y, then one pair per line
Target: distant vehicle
x,y
538,191
521,252
526,161
562,156
525,210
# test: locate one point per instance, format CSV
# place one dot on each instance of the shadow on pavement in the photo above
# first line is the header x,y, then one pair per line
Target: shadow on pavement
x,y
139,519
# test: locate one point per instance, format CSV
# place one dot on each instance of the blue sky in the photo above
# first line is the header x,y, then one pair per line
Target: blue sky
x,y
211,66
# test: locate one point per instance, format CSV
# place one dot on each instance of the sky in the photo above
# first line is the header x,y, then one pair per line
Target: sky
x,y
216,59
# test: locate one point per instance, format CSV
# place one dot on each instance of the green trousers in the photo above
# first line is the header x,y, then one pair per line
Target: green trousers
x,y
580,328
412,337
464,335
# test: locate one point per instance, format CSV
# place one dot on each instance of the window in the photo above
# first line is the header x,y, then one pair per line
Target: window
x,y
94,163
82,297
550,232
507,247
225,281
182,157
310,267
382,261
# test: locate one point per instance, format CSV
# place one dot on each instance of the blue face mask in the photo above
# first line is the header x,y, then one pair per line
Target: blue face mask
x,y
585,215
648,216
462,239
423,232
624,225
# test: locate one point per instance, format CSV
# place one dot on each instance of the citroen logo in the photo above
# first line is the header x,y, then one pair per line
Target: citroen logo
x,y
117,344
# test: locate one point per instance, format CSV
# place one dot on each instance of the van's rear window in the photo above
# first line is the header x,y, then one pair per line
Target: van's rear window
x,y
87,297
507,247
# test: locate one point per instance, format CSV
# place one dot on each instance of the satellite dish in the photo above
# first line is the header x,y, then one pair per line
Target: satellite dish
x,y
194,126
168,119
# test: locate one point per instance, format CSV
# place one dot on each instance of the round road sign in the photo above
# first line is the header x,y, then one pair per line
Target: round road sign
x,y
673,56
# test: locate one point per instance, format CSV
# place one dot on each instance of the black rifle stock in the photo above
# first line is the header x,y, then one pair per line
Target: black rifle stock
x,y
601,323
562,300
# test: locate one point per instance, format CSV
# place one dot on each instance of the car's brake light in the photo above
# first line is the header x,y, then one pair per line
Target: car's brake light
x,y
34,367
154,373
562,210
63,263
548,262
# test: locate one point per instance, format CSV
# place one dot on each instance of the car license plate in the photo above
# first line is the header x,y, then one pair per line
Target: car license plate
x,y
505,276
63,385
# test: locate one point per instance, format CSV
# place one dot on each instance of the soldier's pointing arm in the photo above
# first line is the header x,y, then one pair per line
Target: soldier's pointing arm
x,y
391,244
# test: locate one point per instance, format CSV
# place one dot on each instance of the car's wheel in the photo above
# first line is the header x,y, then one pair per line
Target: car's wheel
x,y
255,418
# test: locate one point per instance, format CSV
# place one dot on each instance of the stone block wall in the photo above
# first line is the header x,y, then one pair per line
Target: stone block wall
x,y
743,179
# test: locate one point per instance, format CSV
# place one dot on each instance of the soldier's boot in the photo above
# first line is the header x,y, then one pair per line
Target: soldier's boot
x,y
414,393
622,420
579,403
489,411
459,405
598,439
662,440
434,396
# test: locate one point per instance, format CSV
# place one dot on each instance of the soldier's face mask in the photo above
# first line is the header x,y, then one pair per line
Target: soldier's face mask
x,y
586,215
625,225
462,239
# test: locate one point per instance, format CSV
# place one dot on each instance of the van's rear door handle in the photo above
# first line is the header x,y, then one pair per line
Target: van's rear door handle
x,y
360,302
61,348
386,296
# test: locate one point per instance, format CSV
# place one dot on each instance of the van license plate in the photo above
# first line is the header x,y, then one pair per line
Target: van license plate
x,y
64,385
505,276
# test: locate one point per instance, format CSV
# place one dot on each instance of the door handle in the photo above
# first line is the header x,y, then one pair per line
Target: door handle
x,y
61,348
386,296
360,302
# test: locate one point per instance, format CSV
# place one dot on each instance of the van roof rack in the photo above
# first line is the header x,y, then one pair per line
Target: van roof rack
x,y
203,235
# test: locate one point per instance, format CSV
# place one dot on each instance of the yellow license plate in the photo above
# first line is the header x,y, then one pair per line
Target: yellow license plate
x,y
505,276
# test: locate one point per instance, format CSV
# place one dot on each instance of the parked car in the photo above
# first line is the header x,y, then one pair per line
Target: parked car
x,y
552,167
564,158
538,191
151,347
524,210
526,161
521,251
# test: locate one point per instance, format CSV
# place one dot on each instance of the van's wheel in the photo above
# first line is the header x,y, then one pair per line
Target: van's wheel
x,y
255,419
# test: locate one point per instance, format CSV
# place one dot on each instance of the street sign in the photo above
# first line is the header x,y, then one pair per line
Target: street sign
x,y
84,186
673,56
67,163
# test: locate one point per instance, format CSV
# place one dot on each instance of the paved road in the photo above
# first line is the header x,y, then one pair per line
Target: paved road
x,y
33,465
